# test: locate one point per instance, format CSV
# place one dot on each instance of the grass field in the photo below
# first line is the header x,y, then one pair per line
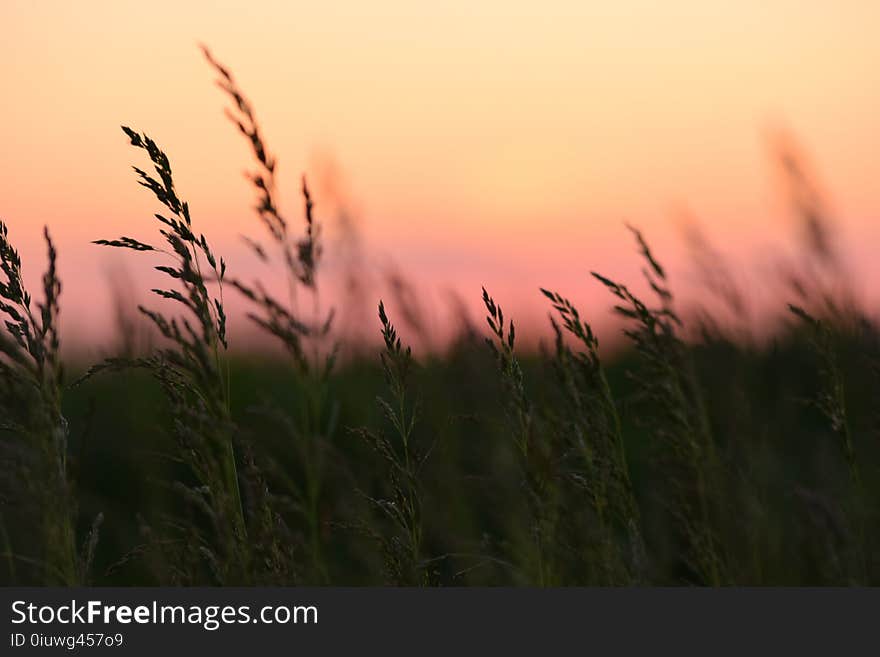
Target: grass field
x,y
697,455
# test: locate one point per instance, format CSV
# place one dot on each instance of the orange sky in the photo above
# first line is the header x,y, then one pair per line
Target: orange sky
x,y
475,142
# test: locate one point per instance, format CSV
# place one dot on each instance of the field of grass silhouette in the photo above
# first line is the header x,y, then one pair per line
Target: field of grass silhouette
x,y
697,455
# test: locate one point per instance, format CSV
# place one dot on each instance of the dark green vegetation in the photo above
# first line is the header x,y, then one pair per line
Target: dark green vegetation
x,y
698,456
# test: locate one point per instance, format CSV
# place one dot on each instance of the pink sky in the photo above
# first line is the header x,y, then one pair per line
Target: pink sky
x,y
496,143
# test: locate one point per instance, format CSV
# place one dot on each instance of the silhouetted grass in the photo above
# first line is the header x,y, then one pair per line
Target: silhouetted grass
x,y
698,456
34,433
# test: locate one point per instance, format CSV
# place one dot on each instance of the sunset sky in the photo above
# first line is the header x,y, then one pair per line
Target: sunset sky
x,y
496,143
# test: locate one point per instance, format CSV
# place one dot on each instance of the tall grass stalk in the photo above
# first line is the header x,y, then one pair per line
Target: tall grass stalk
x,y
36,476
595,453
680,423
536,454
192,371
403,459
302,337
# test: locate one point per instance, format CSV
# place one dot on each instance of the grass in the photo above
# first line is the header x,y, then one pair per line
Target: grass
x,y
697,456
677,417
402,461
191,371
301,333
35,433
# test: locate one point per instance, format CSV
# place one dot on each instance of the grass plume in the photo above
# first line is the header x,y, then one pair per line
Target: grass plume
x,y
192,371
34,447
678,419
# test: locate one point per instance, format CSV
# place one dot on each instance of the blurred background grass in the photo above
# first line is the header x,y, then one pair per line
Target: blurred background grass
x,y
788,525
